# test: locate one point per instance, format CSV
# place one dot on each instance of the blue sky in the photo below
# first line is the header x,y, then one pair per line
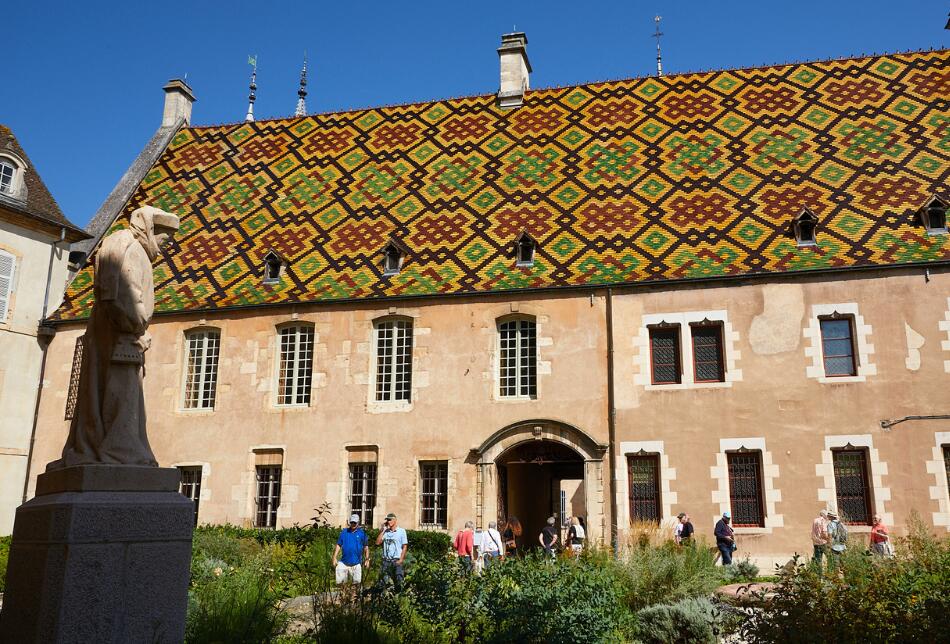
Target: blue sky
x,y
82,82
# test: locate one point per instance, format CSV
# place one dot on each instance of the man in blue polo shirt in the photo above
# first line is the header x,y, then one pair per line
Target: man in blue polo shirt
x,y
355,549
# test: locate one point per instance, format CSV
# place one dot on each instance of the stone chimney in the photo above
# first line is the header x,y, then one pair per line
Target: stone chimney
x,y
178,100
515,69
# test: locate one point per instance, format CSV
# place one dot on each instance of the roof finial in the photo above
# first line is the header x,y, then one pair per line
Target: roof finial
x,y
252,60
302,92
657,34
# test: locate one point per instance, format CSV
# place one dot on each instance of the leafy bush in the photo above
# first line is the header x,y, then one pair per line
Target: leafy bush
x,y
688,620
739,571
876,599
667,573
236,607
4,558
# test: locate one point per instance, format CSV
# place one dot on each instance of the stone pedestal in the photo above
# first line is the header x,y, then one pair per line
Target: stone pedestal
x,y
101,554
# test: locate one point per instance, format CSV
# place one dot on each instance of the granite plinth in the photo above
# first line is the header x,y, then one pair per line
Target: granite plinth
x,y
92,564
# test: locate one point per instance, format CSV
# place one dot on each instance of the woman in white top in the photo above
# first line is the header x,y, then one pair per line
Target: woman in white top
x,y
576,536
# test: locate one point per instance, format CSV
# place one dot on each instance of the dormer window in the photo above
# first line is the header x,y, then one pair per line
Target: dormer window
x,y
804,227
7,175
934,216
272,266
393,255
524,248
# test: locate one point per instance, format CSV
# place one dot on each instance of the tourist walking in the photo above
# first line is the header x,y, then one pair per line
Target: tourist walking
x,y
725,538
837,537
510,536
685,529
879,538
492,546
819,537
355,548
576,536
464,545
548,538
395,544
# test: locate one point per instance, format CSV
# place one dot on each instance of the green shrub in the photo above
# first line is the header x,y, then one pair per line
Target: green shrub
x,y
667,573
739,571
4,559
688,620
236,607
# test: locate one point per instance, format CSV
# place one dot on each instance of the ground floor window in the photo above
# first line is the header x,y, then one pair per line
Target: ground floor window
x,y
644,470
191,485
435,493
268,495
745,489
363,491
852,485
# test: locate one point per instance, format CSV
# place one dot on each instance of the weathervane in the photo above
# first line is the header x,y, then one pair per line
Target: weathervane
x,y
657,34
252,60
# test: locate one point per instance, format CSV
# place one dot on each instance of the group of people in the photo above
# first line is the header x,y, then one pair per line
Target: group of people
x,y
829,536
353,545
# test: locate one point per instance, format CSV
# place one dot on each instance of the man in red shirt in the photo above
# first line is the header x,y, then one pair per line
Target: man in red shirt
x,y
464,545
879,536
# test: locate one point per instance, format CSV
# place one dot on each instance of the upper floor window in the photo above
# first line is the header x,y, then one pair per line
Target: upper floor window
x,y
7,269
934,216
665,354
804,226
837,346
7,175
525,247
518,359
393,360
72,394
708,356
295,370
201,368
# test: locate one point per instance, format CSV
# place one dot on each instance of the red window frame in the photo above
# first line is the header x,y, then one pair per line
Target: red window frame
x,y
671,330
704,327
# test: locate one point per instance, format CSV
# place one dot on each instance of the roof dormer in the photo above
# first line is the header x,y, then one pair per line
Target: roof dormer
x,y
394,253
525,246
273,267
933,215
804,227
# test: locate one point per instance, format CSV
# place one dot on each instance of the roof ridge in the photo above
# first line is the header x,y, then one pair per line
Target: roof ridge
x,y
605,81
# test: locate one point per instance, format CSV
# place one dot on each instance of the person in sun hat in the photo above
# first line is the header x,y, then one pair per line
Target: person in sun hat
x,y
725,538
355,547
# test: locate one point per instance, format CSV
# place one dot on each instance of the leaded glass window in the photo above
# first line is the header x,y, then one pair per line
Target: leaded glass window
x,y
852,488
665,355
707,353
644,474
295,371
191,485
745,489
837,347
363,491
201,375
268,495
394,360
74,373
435,495
518,363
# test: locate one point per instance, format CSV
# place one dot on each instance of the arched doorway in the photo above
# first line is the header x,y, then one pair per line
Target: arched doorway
x,y
553,451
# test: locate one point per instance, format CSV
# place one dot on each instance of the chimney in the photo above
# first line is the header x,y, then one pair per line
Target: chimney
x,y
178,100
515,69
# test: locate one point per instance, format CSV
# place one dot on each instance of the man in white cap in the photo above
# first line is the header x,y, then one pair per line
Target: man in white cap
x,y
355,547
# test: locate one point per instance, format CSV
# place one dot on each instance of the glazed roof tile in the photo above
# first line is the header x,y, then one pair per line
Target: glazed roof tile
x,y
642,180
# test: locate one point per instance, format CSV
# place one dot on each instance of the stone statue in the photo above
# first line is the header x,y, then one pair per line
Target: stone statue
x,y
108,426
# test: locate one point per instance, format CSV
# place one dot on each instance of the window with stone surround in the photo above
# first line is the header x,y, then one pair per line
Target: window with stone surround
x,y
708,355
837,345
665,356
393,360
7,174
190,485
363,491
946,463
7,272
295,369
518,358
434,497
852,485
267,498
644,477
72,393
746,498
202,348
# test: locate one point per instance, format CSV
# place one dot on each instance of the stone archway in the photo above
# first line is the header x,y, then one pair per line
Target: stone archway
x,y
521,435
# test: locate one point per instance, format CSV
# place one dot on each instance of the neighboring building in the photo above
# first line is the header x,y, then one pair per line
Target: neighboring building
x,y
34,254
697,292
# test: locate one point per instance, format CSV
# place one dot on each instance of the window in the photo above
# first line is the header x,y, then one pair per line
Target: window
x,y
946,463
268,495
201,375
644,474
363,491
804,227
393,360
73,392
665,354
435,495
745,489
837,346
272,266
852,488
7,268
7,172
708,359
191,485
524,247
392,258
934,216
295,371
518,359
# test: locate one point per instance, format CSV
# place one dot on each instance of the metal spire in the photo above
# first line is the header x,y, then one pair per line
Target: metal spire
x,y
657,34
302,92
252,60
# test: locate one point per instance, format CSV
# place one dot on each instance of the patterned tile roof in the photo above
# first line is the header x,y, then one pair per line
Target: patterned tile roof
x,y
650,179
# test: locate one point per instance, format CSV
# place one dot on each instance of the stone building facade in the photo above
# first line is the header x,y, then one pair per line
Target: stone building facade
x,y
696,293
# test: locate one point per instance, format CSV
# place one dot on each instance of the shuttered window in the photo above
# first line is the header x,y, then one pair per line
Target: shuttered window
x,y
665,355
852,488
745,489
644,473
7,269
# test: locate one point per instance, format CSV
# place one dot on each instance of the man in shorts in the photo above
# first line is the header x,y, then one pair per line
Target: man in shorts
x,y
353,543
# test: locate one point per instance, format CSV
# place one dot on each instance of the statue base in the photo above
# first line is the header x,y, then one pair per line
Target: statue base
x,y
101,554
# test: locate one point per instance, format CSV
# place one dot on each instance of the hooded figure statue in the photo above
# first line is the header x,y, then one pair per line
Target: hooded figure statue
x,y
108,426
